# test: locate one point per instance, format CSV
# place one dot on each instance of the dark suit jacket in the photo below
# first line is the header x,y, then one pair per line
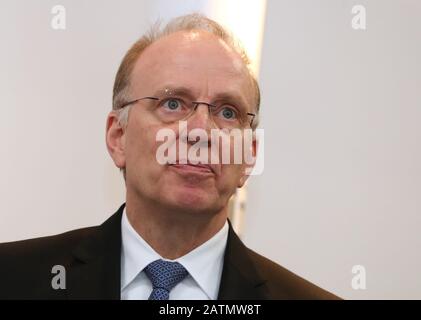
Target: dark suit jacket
x,y
91,257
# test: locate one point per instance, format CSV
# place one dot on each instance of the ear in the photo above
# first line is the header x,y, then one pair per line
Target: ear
x,y
115,137
250,161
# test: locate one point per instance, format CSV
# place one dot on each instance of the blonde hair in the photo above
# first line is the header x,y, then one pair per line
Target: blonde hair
x,y
188,22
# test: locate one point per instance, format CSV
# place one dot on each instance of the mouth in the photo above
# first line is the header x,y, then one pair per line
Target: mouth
x,y
199,168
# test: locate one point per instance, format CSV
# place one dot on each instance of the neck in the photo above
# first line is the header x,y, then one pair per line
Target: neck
x,y
172,233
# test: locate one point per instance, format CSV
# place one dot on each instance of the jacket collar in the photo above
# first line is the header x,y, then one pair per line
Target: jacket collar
x,y
240,279
95,273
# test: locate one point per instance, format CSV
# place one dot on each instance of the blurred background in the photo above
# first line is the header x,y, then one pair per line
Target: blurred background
x,y
340,110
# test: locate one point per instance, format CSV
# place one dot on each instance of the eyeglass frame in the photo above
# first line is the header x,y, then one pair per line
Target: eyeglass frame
x,y
195,103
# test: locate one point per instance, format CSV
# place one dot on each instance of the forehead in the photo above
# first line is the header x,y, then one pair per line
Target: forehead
x,y
197,60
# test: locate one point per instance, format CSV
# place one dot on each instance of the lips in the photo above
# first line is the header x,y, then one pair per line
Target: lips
x,y
187,166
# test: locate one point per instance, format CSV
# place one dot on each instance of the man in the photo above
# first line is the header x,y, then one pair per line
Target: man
x,y
171,239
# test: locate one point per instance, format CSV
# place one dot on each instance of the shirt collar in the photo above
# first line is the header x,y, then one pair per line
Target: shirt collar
x,y
204,263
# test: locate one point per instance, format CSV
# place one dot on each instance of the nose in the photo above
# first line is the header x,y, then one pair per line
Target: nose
x,y
201,117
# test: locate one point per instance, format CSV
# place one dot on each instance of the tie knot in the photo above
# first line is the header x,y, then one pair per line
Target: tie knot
x,y
165,274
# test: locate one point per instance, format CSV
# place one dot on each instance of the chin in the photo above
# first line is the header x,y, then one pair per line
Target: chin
x,y
194,202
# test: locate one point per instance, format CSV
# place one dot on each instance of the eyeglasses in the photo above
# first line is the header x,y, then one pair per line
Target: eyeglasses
x,y
169,109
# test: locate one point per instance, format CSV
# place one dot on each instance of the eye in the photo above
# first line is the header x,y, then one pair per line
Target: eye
x,y
172,104
228,113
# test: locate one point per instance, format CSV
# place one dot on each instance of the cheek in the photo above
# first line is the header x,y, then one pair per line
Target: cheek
x,y
230,176
141,145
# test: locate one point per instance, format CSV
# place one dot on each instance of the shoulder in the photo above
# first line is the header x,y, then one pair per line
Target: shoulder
x,y
282,283
26,266
44,246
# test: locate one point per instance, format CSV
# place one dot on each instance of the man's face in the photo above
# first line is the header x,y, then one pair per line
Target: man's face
x,y
208,68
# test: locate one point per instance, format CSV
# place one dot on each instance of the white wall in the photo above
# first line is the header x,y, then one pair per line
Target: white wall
x,y
56,88
341,112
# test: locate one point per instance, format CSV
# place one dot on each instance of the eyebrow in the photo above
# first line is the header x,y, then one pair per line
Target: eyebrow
x,y
231,96
171,90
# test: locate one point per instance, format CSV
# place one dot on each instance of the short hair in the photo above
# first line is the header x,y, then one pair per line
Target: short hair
x,y
188,22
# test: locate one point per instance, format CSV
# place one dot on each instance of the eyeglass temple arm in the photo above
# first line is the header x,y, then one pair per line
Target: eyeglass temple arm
x,y
252,117
134,101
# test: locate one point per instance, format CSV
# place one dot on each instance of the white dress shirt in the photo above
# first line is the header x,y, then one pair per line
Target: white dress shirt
x,y
204,265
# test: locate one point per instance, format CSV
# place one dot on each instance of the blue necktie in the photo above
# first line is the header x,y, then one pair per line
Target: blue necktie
x,y
164,276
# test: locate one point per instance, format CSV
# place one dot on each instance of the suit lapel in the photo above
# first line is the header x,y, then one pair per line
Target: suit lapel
x,y
240,279
95,271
